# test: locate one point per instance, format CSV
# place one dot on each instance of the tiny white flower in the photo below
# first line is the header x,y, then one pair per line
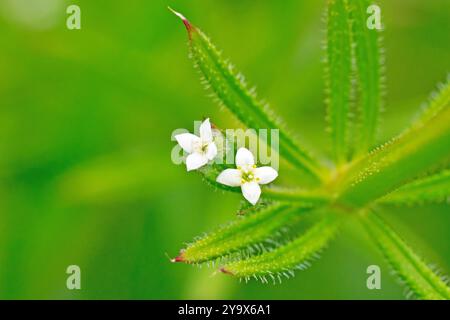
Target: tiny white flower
x,y
201,149
247,176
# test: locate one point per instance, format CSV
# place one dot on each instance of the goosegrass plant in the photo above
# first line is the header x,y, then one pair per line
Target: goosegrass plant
x,y
288,228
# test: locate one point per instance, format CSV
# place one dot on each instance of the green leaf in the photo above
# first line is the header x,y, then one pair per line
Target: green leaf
x,y
295,255
424,145
431,189
231,91
247,230
411,269
439,101
339,77
369,75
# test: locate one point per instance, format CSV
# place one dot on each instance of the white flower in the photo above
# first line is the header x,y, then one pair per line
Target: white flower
x,y
247,176
201,149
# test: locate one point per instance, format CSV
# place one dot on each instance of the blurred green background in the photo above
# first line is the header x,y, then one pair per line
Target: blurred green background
x,y
86,118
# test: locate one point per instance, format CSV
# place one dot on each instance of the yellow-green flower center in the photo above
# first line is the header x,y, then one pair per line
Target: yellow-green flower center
x,y
201,147
247,175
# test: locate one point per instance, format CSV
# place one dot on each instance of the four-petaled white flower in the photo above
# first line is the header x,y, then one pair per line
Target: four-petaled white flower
x,y
247,176
201,149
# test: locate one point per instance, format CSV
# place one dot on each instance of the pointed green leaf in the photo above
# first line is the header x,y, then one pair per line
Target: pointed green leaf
x,y
424,145
411,269
369,75
439,101
294,255
231,91
246,230
431,189
339,77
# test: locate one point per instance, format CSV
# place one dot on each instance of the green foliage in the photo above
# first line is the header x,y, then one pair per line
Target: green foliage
x,y
339,77
431,189
297,254
353,61
246,234
369,76
361,176
231,91
304,196
85,170
424,145
411,269
439,101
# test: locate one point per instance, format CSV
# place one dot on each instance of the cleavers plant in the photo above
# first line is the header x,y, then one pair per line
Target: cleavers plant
x,y
410,169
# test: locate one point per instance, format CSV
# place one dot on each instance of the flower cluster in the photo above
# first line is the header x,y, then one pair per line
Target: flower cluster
x,y
202,150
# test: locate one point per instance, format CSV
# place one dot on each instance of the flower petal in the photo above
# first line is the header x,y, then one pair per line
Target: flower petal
x,y
265,174
205,131
211,151
195,161
244,158
251,192
230,177
187,141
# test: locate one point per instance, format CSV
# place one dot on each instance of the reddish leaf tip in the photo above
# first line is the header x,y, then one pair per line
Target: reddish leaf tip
x,y
179,258
186,22
225,271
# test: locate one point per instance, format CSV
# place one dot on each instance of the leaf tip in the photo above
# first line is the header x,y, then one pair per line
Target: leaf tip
x,y
179,258
186,22
225,271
